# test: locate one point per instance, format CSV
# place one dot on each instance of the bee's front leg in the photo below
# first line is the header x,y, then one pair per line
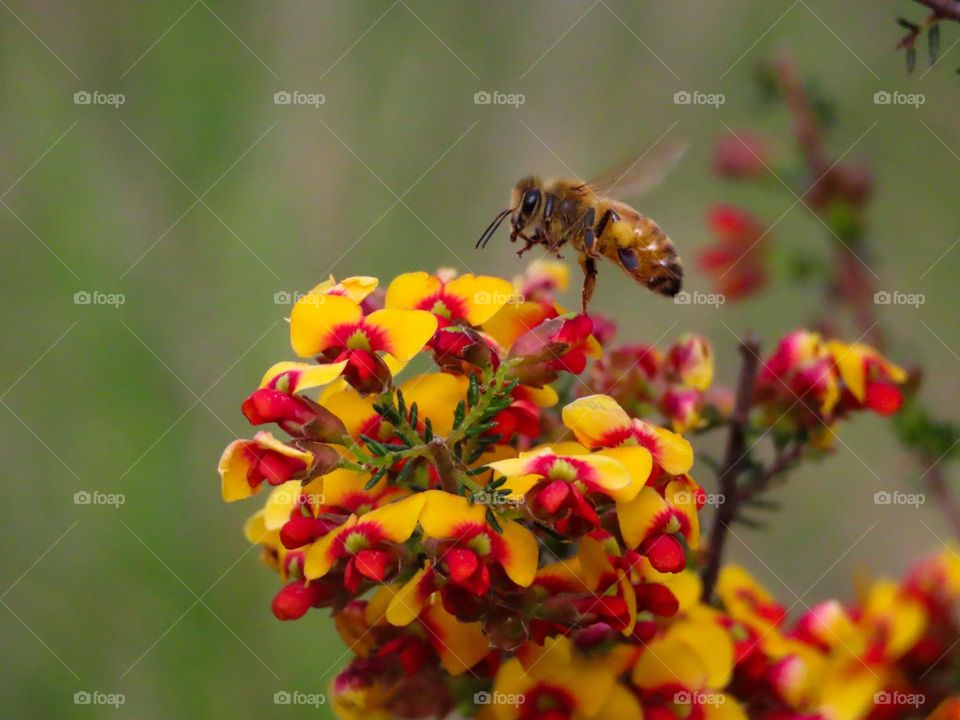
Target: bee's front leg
x,y
528,243
589,265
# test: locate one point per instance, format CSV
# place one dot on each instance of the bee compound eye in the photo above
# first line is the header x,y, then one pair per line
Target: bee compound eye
x,y
530,200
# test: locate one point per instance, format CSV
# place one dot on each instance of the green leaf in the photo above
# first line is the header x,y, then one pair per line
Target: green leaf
x,y
492,521
375,478
405,471
374,446
459,414
473,393
933,42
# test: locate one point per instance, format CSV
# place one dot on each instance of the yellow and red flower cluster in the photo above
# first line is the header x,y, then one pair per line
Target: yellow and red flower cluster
x,y
676,384
808,383
461,521
491,542
892,653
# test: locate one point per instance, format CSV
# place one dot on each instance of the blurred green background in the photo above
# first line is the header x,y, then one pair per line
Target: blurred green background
x,y
199,199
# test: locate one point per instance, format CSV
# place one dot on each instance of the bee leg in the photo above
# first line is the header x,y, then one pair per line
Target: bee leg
x,y
608,217
589,266
589,236
528,243
548,202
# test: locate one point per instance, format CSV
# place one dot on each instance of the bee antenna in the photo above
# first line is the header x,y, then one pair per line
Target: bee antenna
x,y
492,228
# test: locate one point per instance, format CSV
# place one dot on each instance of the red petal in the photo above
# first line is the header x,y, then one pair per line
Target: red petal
x,y
462,563
373,563
552,495
301,530
883,399
294,600
657,599
665,553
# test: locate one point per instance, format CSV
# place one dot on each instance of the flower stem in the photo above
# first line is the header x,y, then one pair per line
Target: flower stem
x,y
733,463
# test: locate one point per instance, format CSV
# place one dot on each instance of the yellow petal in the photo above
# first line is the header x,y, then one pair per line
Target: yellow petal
x,y
543,397
668,660
283,498
443,513
407,604
593,417
638,462
483,295
254,529
460,645
681,495
724,707
233,466
405,331
301,376
521,553
637,517
355,412
319,558
341,487
397,520
513,320
849,359
512,680
675,453
594,562
356,288
436,396
620,704
376,610
712,645
314,317
407,291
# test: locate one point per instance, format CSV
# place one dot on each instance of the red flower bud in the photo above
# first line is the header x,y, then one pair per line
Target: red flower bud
x,y
295,599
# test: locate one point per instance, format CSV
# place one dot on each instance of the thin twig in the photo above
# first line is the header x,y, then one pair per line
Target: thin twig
x,y
944,8
944,497
733,462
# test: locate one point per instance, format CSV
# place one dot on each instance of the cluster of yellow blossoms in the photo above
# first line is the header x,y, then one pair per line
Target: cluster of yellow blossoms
x,y
495,544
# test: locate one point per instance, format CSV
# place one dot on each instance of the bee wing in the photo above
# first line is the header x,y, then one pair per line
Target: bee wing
x,y
639,174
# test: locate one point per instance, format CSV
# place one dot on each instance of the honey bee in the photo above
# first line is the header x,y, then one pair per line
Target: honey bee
x,y
560,210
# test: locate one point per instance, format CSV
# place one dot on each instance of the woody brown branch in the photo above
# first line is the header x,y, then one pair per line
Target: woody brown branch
x,y
734,461
944,8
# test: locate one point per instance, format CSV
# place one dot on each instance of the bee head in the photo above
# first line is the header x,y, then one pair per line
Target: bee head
x,y
524,203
